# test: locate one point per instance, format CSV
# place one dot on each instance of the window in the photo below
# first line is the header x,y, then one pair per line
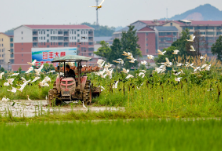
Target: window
x,y
219,33
22,55
146,44
174,33
78,40
11,45
48,40
44,38
77,35
12,55
47,35
11,39
162,34
210,28
147,34
210,33
147,51
11,50
168,39
59,32
22,32
22,37
171,24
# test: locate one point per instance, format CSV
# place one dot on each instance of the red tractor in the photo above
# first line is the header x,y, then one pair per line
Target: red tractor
x,y
70,89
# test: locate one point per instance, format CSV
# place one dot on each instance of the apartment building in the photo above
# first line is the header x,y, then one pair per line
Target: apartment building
x,y
210,30
27,37
6,51
167,31
147,38
165,36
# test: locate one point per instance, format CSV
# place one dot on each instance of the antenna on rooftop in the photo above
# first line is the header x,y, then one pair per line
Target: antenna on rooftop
x,y
167,14
97,14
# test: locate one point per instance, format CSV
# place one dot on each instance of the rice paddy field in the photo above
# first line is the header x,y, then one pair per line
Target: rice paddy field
x,y
159,135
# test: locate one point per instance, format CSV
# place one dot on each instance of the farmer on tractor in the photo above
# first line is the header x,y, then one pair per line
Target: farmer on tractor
x,y
70,72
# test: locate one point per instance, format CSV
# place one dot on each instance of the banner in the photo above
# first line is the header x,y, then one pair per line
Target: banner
x,y
46,55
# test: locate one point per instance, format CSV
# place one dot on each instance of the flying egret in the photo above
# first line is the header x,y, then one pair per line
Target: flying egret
x,y
13,90
132,60
175,52
142,74
129,76
100,63
144,62
192,37
125,71
99,6
179,64
192,48
161,53
10,81
36,78
168,63
178,79
208,67
115,86
151,57
33,63
202,58
15,74
39,70
29,70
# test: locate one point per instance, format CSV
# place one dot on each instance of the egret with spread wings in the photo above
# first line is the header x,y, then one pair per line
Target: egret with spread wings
x,y
99,6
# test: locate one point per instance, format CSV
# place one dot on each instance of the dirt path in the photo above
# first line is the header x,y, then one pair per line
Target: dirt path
x,y
32,108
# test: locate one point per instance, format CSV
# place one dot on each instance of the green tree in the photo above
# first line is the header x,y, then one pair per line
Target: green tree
x,y
129,44
104,51
169,54
182,44
46,67
101,31
216,48
20,70
2,69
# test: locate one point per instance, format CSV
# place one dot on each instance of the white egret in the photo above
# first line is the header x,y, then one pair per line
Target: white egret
x,y
33,63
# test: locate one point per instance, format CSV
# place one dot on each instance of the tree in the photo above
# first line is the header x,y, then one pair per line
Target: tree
x,y
169,54
104,51
2,69
127,43
20,70
182,44
101,31
216,48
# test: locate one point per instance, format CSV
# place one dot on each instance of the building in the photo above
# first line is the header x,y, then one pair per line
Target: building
x,y
210,30
165,36
147,38
27,37
6,51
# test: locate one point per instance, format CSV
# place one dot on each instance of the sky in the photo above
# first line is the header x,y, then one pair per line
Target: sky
x,y
14,13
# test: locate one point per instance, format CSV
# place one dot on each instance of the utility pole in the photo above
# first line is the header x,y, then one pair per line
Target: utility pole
x,y
97,14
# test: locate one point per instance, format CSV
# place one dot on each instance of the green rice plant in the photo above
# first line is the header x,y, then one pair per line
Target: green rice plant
x,y
156,135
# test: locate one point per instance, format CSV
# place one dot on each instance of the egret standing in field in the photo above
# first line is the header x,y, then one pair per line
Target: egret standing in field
x,y
1,74
13,90
192,48
39,70
144,62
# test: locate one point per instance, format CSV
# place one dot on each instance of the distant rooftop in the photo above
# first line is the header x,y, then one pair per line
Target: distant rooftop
x,y
59,26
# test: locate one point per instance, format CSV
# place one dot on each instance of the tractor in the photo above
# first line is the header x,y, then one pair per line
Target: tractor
x,y
70,89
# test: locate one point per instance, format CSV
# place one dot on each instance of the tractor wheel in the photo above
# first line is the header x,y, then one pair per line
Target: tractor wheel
x,y
53,95
87,94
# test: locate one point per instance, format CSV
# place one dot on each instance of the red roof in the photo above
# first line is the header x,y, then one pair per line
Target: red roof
x,y
152,22
146,29
205,23
59,26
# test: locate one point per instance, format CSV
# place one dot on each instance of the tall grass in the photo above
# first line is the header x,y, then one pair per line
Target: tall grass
x,y
159,135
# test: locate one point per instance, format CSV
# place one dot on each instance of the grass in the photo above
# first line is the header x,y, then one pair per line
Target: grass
x,y
159,135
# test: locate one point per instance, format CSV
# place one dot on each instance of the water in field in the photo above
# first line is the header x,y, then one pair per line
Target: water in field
x,y
36,108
